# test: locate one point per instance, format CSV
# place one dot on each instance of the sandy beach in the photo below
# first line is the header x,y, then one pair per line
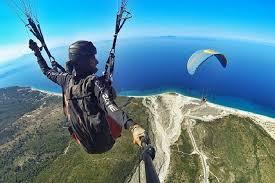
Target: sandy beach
x,y
50,93
209,111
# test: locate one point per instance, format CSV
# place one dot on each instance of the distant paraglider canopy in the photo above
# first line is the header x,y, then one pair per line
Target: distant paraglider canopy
x,y
199,57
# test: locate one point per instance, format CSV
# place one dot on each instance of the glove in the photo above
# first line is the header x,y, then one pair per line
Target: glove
x,y
33,46
138,132
54,64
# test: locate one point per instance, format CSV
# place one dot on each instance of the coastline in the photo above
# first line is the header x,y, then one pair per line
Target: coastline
x,y
268,123
240,112
47,92
226,101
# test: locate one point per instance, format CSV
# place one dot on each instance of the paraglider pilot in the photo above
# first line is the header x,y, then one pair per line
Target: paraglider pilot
x,y
88,101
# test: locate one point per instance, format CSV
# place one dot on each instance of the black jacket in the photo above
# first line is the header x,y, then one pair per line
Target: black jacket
x,y
92,133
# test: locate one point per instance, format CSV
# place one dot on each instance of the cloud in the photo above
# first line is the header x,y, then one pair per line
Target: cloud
x,y
10,72
12,51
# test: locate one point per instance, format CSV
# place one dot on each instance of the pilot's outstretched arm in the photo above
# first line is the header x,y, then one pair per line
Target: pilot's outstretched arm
x,y
60,78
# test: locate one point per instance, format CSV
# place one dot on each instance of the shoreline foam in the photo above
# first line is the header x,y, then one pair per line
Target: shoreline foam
x,y
268,123
260,119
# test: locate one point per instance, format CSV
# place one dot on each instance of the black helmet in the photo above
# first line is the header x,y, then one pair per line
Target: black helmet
x,y
81,49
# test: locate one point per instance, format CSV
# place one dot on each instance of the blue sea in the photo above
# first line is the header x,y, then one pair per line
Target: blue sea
x,y
146,66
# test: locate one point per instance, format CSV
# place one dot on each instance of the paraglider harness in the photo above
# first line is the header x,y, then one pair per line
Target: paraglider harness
x,y
121,18
148,151
35,29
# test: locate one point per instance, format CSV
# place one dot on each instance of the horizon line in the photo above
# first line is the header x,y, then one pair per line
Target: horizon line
x,y
9,56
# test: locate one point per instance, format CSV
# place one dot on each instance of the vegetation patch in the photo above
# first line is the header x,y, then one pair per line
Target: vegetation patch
x,y
185,167
238,149
47,153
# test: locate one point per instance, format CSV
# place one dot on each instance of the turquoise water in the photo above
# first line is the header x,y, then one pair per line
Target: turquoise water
x,y
155,65
227,101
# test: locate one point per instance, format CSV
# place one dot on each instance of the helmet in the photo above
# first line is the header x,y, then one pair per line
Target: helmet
x,y
81,49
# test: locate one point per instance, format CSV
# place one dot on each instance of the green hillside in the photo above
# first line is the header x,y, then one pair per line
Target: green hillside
x,y
15,102
35,153
238,150
36,147
113,166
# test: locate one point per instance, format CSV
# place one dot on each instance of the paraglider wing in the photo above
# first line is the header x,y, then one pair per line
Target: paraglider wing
x,y
201,56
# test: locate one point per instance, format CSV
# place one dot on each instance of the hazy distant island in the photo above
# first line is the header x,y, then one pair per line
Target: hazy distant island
x,y
196,141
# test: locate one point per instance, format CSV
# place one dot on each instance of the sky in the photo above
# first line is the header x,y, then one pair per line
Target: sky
x,y
66,21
